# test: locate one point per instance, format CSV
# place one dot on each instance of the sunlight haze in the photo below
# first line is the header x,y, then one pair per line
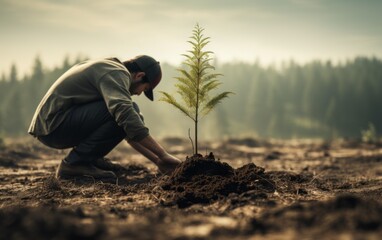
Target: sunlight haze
x,y
267,31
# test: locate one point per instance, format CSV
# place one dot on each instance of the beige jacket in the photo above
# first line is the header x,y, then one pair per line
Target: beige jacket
x,y
90,81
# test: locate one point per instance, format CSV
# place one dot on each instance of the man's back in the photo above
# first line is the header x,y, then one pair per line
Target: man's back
x,y
79,85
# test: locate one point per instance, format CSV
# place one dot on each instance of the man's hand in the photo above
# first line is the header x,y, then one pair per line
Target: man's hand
x,y
157,154
167,163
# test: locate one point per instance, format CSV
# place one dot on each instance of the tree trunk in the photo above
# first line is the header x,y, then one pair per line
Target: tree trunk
x,y
196,137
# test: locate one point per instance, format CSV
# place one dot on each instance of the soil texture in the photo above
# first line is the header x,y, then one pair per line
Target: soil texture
x,y
245,189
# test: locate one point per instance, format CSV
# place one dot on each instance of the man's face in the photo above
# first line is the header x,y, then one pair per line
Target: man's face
x,y
137,86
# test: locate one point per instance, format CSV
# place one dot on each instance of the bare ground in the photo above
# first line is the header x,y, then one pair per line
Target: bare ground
x,y
253,190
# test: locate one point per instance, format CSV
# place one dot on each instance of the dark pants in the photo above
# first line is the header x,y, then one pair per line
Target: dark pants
x,y
90,130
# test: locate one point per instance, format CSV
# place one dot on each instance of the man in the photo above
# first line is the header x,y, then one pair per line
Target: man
x,y
89,109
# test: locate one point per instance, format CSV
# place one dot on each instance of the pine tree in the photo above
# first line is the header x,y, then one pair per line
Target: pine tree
x,y
196,82
13,75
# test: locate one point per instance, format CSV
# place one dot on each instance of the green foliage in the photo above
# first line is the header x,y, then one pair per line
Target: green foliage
x,y
195,83
369,135
314,100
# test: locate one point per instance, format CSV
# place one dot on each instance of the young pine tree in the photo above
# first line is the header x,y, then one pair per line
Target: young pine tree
x,y
195,83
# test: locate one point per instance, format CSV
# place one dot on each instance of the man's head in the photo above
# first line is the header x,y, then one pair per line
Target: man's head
x,y
146,73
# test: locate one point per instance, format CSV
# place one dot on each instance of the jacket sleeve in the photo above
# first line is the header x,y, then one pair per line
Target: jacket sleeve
x,y
114,88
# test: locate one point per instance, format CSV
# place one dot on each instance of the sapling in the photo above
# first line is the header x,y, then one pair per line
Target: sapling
x,y
195,83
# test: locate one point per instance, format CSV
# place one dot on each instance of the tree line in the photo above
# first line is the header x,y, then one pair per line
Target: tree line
x,y
318,99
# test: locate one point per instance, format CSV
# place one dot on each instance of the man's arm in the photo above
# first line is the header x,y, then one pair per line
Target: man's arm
x,y
149,148
114,88
144,151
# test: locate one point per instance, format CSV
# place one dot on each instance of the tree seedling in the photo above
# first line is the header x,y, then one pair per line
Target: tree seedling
x,y
195,83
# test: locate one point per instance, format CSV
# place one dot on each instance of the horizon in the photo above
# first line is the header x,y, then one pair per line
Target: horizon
x,y
268,32
277,65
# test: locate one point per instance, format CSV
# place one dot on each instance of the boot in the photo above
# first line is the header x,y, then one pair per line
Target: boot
x,y
67,171
107,165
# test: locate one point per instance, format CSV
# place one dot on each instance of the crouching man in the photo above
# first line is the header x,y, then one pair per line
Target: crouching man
x,y
89,109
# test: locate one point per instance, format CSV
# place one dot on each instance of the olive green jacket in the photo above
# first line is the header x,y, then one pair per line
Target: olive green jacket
x,y
107,80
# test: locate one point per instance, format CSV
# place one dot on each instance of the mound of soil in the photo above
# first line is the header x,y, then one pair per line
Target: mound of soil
x,y
204,180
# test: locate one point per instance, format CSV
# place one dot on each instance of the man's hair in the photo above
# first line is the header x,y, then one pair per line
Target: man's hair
x,y
132,66
151,68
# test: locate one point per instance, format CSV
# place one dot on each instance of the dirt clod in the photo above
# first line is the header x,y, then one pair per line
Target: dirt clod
x,y
204,179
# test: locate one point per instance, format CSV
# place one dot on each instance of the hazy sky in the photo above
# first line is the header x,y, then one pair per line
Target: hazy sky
x,y
245,30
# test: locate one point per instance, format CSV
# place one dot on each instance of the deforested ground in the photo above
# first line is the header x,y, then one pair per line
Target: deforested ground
x,y
245,189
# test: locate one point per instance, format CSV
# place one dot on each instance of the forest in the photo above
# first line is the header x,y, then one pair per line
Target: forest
x,y
318,99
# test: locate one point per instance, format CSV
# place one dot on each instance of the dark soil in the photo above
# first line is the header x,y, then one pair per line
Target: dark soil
x,y
43,223
204,180
345,213
255,190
